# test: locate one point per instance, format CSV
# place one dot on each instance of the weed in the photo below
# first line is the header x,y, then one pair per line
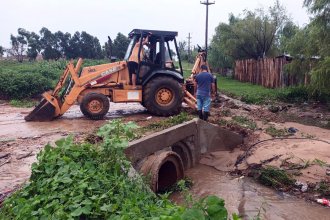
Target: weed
x,y
222,122
295,166
307,135
260,210
163,124
24,103
321,163
323,188
245,122
276,178
276,132
226,112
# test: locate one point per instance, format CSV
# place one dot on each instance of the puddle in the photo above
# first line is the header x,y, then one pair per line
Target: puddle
x,y
13,125
18,136
246,197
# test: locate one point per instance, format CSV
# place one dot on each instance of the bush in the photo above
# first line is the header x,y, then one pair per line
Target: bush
x,y
29,79
15,85
293,94
83,181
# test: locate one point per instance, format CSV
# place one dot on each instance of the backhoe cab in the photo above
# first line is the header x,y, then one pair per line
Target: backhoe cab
x,y
159,83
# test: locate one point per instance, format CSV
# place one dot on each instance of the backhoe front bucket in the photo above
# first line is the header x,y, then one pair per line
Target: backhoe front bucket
x,y
44,111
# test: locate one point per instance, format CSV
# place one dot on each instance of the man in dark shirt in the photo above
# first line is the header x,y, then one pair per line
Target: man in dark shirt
x,y
204,85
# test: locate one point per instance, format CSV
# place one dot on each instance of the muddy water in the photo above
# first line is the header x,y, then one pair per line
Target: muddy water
x,y
247,198
18,137
13,125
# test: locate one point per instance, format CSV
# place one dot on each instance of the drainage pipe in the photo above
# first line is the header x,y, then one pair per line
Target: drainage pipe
x,y
163,170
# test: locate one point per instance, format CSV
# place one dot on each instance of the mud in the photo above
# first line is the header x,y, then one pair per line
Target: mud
x,y
19,138
242,195
247,198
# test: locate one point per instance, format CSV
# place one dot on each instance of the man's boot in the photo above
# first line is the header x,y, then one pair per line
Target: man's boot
x,y
205,116
200,114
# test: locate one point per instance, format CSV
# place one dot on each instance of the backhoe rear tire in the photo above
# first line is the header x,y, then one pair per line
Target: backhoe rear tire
x,y
95,106
163,96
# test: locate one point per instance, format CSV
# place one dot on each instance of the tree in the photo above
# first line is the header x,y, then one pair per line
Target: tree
x,y
63,43
18,45
320,43
220,53
286,34
182,45
253,35
34,46
90,46
49,44
120,45
2,50
107,48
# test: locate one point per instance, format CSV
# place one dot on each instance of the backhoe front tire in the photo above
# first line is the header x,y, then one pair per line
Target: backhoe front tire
x,y
163,96
95,106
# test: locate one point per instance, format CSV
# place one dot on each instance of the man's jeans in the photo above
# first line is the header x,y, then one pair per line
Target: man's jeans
x,y
203,103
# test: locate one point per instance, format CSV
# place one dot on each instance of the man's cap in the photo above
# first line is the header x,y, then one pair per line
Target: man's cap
x,y
204,67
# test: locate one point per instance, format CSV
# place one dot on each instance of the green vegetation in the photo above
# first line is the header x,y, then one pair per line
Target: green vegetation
x,y
30,79
247,92
256,94
166,123
275,178
245,122
274,132
251,34
323,188
57,45
22,103
84,181
321,163
275,34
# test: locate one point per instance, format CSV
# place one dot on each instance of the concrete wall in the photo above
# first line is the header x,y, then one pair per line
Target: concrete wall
x,y
189,140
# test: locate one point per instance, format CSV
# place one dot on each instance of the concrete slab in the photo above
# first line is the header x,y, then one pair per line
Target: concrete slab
x,y
141,148
214,138
199,136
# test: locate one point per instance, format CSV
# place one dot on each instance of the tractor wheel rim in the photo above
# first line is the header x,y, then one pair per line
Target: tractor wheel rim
x,y
95,106
164,96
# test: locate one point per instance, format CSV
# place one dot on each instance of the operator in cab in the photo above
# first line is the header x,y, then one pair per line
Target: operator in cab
x,y
133,61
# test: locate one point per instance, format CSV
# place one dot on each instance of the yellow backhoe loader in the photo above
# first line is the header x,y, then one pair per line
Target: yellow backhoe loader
x,y
160,85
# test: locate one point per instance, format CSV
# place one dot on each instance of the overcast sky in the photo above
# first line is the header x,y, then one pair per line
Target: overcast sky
x,y
101,18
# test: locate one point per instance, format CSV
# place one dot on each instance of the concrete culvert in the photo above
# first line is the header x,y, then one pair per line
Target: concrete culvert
x,y
185,154
163,170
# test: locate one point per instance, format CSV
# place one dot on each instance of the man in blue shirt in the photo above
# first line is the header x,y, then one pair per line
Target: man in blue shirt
x,y
204,85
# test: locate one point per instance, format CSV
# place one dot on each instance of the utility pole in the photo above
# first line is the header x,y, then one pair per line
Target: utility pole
x,y
189,51
207,3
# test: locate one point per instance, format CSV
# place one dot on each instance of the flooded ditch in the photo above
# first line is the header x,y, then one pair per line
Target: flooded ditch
x,y
247,198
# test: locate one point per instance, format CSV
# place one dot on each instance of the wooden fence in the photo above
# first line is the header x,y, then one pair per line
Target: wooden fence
x,y
268,72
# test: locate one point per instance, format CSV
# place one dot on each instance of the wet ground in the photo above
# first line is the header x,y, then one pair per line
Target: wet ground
x,y
20,142
249,199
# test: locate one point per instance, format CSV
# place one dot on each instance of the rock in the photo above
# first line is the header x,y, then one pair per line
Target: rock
x,y
3,155
274,109
247,108
292,130
303,186
231,104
